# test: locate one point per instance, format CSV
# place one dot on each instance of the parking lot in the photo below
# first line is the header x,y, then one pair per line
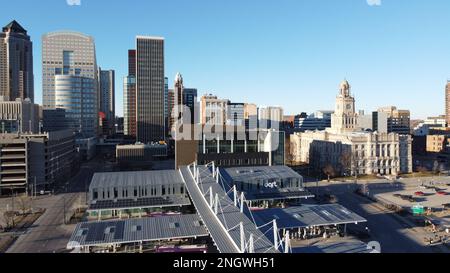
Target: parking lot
x,y
431,193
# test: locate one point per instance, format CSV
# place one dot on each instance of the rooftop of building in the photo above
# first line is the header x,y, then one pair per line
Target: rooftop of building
x,y
141,146
308,216
125,179
14,26
261,173
137,230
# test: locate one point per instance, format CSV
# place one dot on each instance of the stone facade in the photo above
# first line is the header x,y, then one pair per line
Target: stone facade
x,y
351,151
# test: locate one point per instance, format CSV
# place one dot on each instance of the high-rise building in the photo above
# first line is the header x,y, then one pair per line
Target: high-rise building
x,y
447,102
65,53
69,79
190,101
166,105
398,121
107,100
16,63
129,96
176,110
179,100
213,111
150,89
77,96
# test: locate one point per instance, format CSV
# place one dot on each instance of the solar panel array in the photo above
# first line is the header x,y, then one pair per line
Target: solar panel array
x,y
116,179
146,202
262,173
137,230
308,216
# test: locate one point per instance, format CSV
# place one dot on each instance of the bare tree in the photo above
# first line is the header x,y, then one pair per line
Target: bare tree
x,y
436,169
346,162
24,203
329,171
8,216
422,169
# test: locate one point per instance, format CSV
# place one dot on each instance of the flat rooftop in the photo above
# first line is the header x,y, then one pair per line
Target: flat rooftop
x,y
137,230
261,173
122,179
308,216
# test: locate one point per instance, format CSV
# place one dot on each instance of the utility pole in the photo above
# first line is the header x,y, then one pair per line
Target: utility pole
x,y
64,210
35,187
12,206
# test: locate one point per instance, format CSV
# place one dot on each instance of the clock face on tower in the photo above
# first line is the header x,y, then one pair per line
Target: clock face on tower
x,y
349,107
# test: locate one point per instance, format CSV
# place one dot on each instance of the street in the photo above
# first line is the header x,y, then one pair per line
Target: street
x,y
49,233
395,233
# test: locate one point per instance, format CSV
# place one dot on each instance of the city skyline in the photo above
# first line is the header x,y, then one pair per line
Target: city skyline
x,y
389,57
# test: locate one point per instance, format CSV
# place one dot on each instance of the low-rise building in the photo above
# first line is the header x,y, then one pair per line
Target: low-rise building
x,y
140,152
227,148
265,186
317,121
437,143
117,194
36,161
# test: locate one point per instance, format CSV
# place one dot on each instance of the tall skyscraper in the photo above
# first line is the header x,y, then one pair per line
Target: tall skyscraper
x,y
107,99
129,96
69,79
76,95
66,53
190,101
150,89
16,63
447,102
166,105
176,111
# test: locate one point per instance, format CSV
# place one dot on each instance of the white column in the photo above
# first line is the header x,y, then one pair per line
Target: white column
x,y
235,195
287,242
241,227
218,144
242,202
204,144
216,204
275,234
251,244
211,197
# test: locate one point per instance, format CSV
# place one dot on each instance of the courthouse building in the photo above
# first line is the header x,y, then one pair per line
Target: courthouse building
x,y
347,148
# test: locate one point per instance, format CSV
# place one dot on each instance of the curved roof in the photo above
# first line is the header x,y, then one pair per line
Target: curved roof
x,y
68,32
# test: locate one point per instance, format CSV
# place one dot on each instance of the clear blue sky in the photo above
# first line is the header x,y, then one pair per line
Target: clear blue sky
x,y
292,53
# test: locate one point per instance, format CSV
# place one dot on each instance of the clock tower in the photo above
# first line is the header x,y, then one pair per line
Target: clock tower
x,y
344,118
